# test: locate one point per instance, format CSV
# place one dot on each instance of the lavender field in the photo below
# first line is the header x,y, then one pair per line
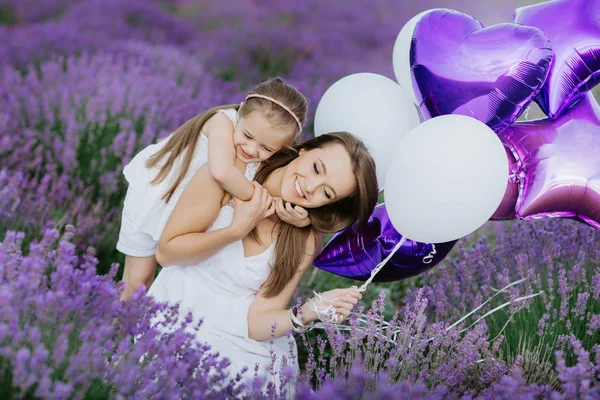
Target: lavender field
x,y
86,84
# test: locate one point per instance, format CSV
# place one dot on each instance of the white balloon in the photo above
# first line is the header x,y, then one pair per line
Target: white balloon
x,y
448,176
371,107
401,55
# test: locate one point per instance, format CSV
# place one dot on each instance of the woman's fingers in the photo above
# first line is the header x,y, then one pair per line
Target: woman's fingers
x,y
263,197
271,210
301,211
280,208
352,292
296,211
345,302
289,208
344,311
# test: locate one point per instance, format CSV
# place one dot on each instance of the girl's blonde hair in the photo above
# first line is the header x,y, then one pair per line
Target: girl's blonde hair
x,y
184,140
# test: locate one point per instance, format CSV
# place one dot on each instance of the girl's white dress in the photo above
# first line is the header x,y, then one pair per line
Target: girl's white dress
x,y
145,213
144,200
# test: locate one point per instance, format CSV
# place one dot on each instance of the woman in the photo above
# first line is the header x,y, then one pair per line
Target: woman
x,y
239,267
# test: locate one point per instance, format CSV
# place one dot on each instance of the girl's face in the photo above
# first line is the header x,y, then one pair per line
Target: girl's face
x,y
318,177
256,140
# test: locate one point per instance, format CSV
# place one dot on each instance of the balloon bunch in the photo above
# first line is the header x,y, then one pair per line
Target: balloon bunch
x,y
469,161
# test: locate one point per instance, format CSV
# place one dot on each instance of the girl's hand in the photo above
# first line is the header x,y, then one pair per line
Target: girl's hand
x,y
248,213
332,306
296,216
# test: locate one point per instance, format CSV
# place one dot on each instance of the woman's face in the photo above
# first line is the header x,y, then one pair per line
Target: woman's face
x,y
318,177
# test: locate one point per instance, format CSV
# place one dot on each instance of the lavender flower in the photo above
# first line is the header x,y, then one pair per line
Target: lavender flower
x,y
85,26
64,331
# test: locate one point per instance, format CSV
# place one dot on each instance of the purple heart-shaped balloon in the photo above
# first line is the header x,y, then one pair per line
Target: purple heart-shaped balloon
x,y
491,74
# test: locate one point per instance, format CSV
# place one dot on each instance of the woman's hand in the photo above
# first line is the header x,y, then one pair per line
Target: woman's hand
x,y
249,213
333,306
296,216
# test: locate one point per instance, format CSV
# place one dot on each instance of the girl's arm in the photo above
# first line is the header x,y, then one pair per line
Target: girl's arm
x,y
184,239
266,312
221,157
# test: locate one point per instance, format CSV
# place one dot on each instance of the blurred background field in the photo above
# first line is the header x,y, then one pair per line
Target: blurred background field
x,y
85,84
114,76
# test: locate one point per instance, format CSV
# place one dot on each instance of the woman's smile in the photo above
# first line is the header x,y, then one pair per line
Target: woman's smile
x,y
297,189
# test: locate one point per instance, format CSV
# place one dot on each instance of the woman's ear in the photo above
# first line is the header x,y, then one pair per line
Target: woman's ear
x,y
302,151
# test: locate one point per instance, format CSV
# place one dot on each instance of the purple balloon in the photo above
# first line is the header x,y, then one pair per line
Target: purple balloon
x,y
573,27
559,173
490,74
506,209
355,254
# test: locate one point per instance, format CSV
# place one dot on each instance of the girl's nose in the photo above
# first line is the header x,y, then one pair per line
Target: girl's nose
x,y
252,150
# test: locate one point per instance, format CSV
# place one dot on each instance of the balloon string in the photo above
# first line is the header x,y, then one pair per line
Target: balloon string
x,y
324,307
363,287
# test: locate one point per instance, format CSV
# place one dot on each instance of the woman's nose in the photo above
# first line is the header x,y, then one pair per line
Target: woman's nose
x,y
313,183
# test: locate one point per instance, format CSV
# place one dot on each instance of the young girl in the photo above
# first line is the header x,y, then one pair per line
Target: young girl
x,y
223,136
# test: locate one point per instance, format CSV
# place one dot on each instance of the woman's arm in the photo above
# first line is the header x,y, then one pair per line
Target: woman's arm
x,y
266,312
185,241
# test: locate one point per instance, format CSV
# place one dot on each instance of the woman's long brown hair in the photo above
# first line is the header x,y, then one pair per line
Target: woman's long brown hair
x,y
292,241
183,141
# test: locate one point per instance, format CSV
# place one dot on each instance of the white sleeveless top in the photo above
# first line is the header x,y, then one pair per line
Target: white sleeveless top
x,y
148,210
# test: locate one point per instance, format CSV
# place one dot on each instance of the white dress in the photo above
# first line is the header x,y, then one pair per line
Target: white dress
x,y
145,213
221,290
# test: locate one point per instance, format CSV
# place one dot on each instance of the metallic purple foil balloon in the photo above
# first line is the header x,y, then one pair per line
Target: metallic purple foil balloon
x,y
490,74
355,254
506,209
559,174
573,27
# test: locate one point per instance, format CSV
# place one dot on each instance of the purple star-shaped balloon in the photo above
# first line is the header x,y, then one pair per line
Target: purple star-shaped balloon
x,y
354,254
559,173
573,27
